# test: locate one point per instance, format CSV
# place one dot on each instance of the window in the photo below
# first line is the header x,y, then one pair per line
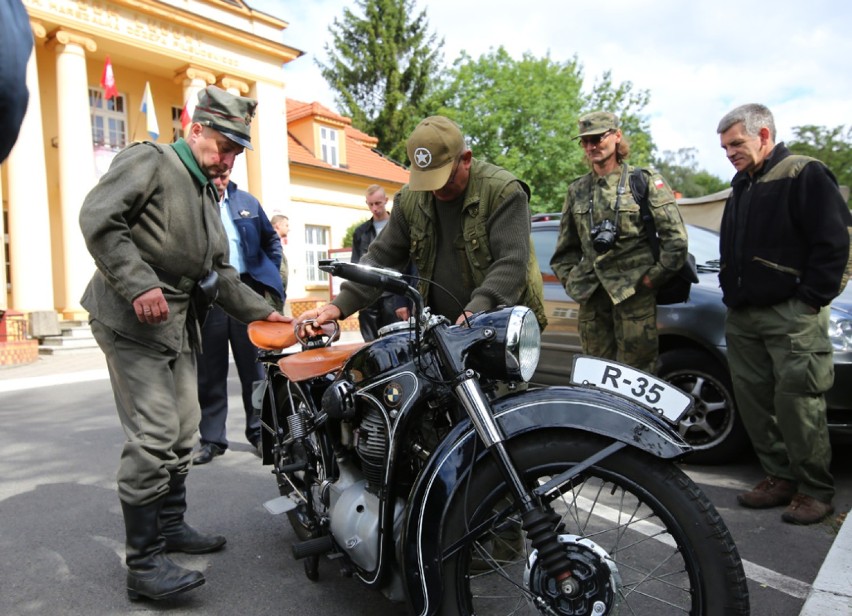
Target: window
x,y
328,145
109,120
316,248
177,127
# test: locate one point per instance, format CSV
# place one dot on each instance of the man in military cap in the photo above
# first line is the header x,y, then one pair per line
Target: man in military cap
x,y
464,223
603,256
152,225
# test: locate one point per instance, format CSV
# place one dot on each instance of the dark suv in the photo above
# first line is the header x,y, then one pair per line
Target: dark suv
x,y
693,354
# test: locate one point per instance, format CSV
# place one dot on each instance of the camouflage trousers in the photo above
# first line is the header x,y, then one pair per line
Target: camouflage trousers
x,y
625,332
781,364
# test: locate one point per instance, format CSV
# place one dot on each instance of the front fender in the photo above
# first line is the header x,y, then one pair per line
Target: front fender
x,y
573,408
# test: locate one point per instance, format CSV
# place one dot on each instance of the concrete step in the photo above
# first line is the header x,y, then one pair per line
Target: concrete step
x,y
76,336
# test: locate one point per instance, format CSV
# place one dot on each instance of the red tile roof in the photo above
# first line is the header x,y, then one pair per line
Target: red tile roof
x,y
361,156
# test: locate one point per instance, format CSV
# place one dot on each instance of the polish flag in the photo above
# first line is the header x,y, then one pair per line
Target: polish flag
x,y
186,112
108,81
151,116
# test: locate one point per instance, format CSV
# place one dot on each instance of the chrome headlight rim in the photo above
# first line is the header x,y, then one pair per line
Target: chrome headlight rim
x,y
523,343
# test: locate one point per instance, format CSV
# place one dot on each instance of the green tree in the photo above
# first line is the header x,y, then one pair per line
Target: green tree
x,y
522,115
382,65
833,146
680,170
350,233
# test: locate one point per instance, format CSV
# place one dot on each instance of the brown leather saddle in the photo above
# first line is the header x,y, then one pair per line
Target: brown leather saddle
x,y
273,336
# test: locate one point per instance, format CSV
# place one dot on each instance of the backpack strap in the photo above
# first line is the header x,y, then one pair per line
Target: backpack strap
x,y
639,188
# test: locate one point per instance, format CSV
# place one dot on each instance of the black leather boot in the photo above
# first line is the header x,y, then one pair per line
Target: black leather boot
x,y
150,573
180,536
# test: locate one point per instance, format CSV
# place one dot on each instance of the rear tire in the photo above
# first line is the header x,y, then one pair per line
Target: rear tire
x,y
640,535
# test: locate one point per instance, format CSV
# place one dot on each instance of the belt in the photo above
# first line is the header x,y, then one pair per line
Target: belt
x,y
173,280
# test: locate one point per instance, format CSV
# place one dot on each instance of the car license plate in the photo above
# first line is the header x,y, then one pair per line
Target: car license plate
x,y
663,398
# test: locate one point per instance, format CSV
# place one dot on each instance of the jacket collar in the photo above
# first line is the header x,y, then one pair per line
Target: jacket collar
x,y
181,148
778,153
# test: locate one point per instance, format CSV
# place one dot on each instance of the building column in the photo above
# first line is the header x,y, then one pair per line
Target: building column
x,y
29,214
193,79
269,164
239,174
76,161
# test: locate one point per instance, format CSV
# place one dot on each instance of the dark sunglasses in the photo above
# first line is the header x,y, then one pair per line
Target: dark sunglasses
x,y
594,139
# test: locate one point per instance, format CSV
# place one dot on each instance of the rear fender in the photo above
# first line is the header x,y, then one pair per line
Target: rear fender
x,y
571,408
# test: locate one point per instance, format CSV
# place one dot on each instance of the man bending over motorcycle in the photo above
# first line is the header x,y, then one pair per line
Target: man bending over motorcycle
x,y
464,223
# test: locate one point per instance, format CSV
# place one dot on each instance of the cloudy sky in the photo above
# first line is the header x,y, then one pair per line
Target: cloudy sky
x,y
697,58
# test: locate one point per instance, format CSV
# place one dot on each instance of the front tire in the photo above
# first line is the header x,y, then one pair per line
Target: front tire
x,y
640,535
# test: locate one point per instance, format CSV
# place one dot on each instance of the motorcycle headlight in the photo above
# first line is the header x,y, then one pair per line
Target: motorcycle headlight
x,y
840,331
514,351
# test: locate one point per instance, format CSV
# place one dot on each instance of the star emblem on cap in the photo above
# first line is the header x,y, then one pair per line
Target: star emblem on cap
x,y
422,157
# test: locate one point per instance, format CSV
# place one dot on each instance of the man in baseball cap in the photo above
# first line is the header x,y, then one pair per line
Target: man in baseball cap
x,y
433,147
464,223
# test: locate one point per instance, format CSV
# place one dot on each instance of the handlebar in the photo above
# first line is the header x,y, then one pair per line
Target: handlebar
x,y
377,277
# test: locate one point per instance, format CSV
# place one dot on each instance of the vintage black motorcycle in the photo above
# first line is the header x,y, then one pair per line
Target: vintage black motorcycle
x,y
423,465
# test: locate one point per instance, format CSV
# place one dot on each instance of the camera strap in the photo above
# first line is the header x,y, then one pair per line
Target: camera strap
x,y
622,181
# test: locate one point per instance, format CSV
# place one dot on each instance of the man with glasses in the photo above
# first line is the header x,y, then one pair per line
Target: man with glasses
x,y
464,223
603,256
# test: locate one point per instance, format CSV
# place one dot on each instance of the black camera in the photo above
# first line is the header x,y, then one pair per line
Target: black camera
x,y
603,236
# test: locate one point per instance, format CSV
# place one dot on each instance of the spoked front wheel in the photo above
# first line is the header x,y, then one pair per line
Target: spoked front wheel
x,y
640,537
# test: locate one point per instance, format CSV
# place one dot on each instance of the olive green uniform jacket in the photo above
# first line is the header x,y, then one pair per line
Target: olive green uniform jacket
x,y
501,265
581,270
155,207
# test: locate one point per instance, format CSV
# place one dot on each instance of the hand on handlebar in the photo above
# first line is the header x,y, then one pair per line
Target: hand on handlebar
x,y
317,318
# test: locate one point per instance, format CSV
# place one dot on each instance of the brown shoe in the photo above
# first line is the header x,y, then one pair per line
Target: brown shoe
x,y
771,492
806,510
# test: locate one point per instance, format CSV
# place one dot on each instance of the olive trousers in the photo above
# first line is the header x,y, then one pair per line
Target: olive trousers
x,y
781,363
625,332
156,396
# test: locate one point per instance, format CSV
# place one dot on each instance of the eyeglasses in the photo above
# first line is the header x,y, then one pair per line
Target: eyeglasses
x,y
594,139
455,170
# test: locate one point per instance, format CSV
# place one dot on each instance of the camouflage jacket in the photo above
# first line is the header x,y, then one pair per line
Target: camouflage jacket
x,y
590,200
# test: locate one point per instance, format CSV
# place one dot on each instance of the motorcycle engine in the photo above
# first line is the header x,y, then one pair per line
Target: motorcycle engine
x,y
371,444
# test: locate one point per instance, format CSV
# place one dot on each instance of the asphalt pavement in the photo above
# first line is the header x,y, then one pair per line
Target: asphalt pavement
x,y
830,592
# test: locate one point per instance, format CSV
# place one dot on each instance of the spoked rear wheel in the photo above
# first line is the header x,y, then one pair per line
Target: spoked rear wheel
x,y
640,537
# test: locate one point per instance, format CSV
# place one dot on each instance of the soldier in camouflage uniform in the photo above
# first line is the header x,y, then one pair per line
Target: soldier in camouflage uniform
x,y
615,282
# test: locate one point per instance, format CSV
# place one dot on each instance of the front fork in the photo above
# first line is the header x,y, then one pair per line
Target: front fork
x,y
541,524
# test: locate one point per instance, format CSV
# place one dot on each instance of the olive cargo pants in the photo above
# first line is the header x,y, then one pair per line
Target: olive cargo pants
x,y
781,364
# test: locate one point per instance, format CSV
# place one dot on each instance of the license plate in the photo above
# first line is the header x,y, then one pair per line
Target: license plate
x,y
664,399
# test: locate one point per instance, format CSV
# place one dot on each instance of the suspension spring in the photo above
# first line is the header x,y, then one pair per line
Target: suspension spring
x,y
297,425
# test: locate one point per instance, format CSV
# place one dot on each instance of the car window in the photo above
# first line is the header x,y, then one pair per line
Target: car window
x,y
544,241
703,244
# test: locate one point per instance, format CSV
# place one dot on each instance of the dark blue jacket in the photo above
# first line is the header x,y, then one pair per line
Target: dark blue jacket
x,y
261,244
16,43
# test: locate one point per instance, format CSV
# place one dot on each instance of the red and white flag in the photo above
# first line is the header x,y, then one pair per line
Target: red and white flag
x,y
187,111
108,81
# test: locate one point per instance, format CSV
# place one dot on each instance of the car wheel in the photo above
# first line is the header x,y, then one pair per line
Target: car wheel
x,y
712,427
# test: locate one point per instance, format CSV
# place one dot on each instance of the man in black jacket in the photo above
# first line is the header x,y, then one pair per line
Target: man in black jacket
x,y
388,308
784,254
